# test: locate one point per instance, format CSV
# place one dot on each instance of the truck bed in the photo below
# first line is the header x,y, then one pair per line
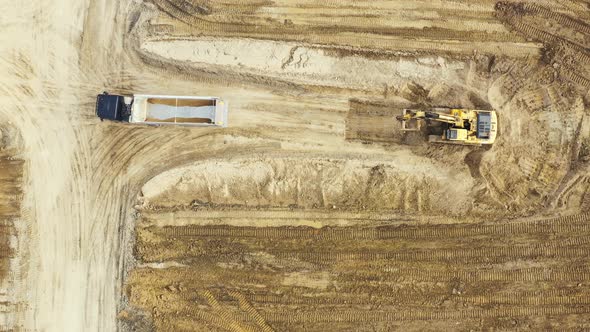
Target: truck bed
x,y
179,110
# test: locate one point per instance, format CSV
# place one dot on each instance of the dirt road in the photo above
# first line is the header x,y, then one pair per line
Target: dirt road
x,y
293,155
66,275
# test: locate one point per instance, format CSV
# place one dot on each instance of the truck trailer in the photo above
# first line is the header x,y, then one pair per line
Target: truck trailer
x,y
163,110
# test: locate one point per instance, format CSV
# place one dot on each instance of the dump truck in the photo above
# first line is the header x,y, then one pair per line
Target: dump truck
x,y
162,109
459,126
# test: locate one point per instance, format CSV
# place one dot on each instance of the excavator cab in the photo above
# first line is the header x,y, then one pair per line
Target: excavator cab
x,y
455,134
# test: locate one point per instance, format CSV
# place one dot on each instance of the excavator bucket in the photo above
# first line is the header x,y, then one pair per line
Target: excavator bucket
x,y
409,123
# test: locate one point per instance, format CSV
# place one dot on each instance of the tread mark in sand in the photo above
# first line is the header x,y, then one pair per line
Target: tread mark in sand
x,y
566,224
390,316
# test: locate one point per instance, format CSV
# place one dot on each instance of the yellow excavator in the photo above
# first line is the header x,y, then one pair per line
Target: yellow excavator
x,y
460,126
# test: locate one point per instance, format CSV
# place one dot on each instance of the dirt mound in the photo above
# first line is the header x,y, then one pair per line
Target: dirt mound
x,y
456,97
404,183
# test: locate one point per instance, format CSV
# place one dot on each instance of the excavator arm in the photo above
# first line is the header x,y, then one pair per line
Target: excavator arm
x,y
416,117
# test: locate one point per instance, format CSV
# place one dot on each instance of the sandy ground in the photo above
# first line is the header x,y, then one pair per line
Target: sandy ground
x,y
302,86
66,249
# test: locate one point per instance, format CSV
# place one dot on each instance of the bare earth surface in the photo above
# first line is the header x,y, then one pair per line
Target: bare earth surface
x,y
312,211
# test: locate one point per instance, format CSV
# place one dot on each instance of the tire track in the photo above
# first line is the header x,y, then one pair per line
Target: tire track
x,y
565,49
480,255
535,9
418,313
467,255
402,298
573,75
566,224
467,274
519,299
580,56
535,33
